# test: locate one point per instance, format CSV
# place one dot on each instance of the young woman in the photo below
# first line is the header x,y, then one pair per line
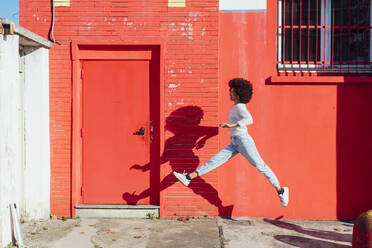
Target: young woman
x,y
241,141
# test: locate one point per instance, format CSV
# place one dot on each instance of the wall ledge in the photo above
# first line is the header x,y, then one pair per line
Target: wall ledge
x,y
27,37
319,79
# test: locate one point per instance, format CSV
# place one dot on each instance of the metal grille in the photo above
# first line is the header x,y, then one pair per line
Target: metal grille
x,y
326,36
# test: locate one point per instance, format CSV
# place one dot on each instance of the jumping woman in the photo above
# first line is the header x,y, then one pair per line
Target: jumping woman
x,y
241,142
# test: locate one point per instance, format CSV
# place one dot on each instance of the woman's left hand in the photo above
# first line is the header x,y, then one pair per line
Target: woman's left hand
x,y
227,125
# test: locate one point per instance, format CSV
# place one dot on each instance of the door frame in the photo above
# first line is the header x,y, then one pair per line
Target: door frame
x,y
103,51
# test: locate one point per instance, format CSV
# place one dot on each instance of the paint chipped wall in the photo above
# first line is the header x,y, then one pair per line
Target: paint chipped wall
x,y
24,133
10,135
37,143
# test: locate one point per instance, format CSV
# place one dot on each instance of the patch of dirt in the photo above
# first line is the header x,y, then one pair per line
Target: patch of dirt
x,y
41,233
108,233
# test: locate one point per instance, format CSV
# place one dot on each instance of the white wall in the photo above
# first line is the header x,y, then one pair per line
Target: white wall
x,y
24,133
242,5
10,133
37,159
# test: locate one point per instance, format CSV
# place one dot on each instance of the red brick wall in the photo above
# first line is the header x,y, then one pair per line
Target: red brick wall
x,y
190,39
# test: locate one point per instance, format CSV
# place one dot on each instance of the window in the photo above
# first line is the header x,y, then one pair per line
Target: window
x,y
328,36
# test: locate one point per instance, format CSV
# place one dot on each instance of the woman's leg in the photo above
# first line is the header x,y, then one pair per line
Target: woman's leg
x,y
246,146
217,160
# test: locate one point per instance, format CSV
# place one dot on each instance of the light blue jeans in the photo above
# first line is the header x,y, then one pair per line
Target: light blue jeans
x,y
244,145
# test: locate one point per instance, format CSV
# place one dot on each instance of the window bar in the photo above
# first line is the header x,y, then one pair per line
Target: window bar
x,y
283,35
333,33
308,36
357,38
300,31
279,29
341,25
349,60
365,38
316,38
369,59
292,40
325,35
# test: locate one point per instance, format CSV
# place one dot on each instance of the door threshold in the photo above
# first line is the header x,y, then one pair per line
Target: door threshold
x,y
116,206
117,211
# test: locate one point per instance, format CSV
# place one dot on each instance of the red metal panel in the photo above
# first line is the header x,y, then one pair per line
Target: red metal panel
x,y
115,106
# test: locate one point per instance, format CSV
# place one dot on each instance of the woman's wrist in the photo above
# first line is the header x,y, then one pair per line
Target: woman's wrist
x,y
233,125
228,125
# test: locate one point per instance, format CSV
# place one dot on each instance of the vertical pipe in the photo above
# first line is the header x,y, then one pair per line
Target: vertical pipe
x,y
16,225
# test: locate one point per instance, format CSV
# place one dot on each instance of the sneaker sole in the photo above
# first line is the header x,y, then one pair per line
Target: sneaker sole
x,y
180,179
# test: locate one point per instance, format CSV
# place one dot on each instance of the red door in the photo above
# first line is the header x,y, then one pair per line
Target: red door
x,y
115,130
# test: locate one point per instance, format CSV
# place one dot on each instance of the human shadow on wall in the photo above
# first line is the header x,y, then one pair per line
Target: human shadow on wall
x,y
354,149
184,123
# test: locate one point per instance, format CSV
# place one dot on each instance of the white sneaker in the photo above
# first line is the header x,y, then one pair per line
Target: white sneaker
x,y
182,178
284,197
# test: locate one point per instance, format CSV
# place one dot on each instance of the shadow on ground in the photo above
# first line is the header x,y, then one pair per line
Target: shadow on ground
x,y
308,242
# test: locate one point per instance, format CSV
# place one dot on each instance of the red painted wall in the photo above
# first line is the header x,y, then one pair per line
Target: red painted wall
x,y
188,40
315,136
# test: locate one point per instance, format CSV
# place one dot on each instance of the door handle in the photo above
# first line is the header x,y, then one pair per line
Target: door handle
x,y
141,131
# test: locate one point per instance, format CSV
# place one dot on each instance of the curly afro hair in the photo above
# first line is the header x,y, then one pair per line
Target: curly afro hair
x,y
243,88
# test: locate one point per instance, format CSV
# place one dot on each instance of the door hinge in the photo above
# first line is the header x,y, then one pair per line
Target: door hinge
x,y
81,191
81,132
81,74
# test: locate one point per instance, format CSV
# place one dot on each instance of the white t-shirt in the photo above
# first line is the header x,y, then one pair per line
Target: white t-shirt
x,y
239,114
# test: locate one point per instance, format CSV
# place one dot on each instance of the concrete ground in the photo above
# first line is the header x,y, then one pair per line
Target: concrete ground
x,y
184,232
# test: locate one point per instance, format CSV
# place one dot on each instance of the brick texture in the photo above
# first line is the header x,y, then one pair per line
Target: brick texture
x,y
190,74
